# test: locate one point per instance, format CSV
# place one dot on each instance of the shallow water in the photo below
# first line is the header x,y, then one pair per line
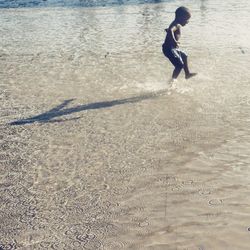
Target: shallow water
x,y
71,3
98,152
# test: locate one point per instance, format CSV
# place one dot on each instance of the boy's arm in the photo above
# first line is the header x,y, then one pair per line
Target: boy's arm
x,y
172,30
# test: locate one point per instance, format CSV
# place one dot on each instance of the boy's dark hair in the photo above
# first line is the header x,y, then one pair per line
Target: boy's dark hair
x,y
182,12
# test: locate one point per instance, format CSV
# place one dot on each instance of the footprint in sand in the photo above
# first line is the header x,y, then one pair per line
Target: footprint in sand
x,y
215,202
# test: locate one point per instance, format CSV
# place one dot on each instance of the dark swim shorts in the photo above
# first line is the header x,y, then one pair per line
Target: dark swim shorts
x,y
175,56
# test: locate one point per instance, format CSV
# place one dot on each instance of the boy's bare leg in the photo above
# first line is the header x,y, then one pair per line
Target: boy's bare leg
x,y
186,69
176,72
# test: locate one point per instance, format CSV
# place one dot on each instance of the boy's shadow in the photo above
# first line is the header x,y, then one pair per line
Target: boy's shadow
x,y
60,110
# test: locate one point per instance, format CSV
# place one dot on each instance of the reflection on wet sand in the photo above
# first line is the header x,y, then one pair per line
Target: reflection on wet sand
x,y
138,164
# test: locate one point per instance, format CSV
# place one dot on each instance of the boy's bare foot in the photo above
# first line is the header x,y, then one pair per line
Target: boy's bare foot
x,y
172,80
190,75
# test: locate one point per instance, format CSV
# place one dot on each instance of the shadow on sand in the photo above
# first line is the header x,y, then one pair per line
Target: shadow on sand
x,y
60,110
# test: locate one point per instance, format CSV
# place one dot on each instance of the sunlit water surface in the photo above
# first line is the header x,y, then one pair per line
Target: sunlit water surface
x,y
97,152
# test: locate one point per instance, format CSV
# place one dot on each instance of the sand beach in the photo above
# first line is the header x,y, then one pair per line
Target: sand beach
x,y
98,152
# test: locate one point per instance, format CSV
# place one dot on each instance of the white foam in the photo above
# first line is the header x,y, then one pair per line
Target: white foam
x,y
180,86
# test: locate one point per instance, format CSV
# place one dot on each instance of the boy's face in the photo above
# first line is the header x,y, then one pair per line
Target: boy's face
x,y
184,21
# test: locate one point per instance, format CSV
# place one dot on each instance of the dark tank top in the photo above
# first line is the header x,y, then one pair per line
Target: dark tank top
x,y
169,43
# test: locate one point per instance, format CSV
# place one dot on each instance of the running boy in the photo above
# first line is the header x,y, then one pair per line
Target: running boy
x,y
170,47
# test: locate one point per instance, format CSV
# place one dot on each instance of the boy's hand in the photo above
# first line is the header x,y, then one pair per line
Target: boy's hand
x,y
177,43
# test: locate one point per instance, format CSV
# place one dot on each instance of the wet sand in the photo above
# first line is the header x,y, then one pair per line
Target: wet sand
x,y
122,174
97,152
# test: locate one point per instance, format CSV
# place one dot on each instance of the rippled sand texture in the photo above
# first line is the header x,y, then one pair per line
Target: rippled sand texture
x,y
97,153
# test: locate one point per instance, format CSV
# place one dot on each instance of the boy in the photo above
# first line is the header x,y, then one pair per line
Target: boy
x,y
170,47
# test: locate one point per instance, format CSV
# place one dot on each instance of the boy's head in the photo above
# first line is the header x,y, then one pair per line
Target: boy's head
x,y
182,15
